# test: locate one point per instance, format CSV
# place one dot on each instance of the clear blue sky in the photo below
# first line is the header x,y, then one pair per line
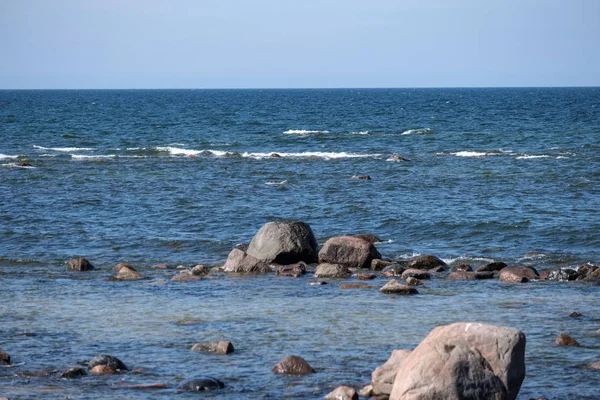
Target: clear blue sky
x,y
298,43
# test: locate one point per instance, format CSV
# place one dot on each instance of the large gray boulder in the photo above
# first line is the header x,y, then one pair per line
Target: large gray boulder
x,y
349,251
464,361
284,242
241,262
383,376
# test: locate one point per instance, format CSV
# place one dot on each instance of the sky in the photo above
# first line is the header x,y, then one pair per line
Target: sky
x,y
111,44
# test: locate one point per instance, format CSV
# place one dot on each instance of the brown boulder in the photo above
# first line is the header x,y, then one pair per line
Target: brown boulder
x,y
365,277
293,365
416,273
239,261
327,270
383,376
343,393
125,272
465,275
284,242
518,274
426,262
565,340
394,287
463,361
222,347
351,252
293,270
493,266
73,373
79,264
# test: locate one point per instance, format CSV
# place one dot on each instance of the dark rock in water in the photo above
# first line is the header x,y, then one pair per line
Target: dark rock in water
x,y
362,177
284,242
79,264
200,384
394,287
493,266
109,361
466,275
199,270
565,340
125,272
518,274
356,286
73,373
349,251
103,370
293,270
393,270
575,314
293,365
343,393
4,358
462,267
369,237
378,264
317,283
397,158
562,275
416,273
410,281
426,262
365,277
585,270
221,347
327,270
241,262
275,155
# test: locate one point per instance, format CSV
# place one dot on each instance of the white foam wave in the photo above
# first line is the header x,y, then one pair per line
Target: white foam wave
x,y
310,154
5,156
302,132
95,157
465,258
278,183
528,157
466,153
361,133
417,131
178,151
63,149
17,165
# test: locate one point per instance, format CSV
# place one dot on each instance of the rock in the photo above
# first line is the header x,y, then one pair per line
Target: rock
x,y
493,266
362,177
595,365
125,272
462,267
410,281
343,393
416,273
144,386
293,365
294,270
108,361
369,237
426,262
584,270
367,391
327,270
199,270
241,262
356,286
317,283
222,347
285,242
562,275
4,358
351,252
79,264
594,273
393,270
200,384
463,361
73,373
365,277
383,376
518,274
378,264
465,275
565,340
185,277
397,158
103,370
394,287
575,314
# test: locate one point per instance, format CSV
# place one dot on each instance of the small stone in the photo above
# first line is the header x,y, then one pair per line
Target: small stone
x,y
199,270
565,340
73,373
221,347
125,272
327,270
416,273
493,266
394,287
365,277
200,384
160,266
79,264
426,262
356,286
293,365
575,314
410,281
343,393
293,270
4,358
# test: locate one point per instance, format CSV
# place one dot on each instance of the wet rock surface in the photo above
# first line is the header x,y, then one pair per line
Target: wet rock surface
x,y
426,262
517,274
395,287
293,365
4,358
73,373
327,270
220,347
284,242
125,272
565,340
343,393
79,264
239,261
200,384
383,377
349,251
108,361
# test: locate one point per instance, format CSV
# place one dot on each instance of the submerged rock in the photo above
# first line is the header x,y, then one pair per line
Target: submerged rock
x,y
185,277
79,264
327,270
493,266
394,287
4,358
284,242
565,340
562,275
426,262
200,384
108,361
73,373
466,275
241,262
362,177
378,264
343,393
410,281
221,347
349,251
356,286
103,370
125,272
293,365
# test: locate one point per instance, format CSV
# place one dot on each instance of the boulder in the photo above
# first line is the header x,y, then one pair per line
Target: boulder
x,y
410,281
284,242
200,384
466,275
369,237
562,275
584,270
125,272
575,314
293,365
294,270
199,270
383,376
241,262
426,262
416,273
222,347
73,373
4,358
518,274
327,270
108,361
79,264
378,264
351,252
393,270
463,361
565,340
103,370
394,287
493,266
462,267
343,393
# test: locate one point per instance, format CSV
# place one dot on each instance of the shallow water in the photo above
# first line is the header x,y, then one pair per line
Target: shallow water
x,y
181,177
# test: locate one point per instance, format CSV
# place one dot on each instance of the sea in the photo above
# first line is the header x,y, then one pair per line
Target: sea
x,y
180,177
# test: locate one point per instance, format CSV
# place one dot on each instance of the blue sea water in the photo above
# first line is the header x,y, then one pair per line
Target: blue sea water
x,y
182,176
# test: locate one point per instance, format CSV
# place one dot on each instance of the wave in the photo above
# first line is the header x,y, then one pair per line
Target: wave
x,y
95,157
284,182
528,157
18,165
5,156
466,153
178,151
361,133
417,131
310,154
302,132
63,149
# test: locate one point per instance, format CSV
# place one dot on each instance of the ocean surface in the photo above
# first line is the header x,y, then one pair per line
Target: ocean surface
x,y
182,176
